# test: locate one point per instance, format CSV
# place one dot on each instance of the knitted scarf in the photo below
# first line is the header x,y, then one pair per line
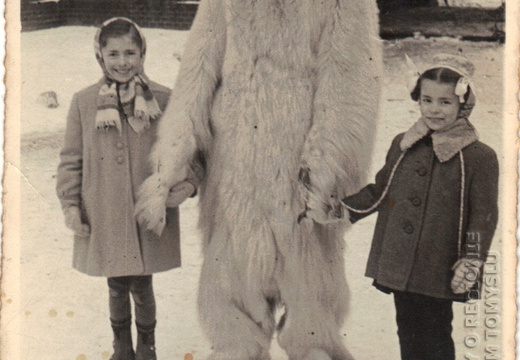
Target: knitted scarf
x,y
113,96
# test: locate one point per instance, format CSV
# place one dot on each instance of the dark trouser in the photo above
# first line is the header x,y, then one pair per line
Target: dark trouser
x,y
424,327
141,289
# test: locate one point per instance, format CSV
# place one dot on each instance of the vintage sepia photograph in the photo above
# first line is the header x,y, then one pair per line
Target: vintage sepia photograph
x,y
260,180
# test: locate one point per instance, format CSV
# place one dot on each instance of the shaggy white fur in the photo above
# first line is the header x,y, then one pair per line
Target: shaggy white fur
x,y
267,88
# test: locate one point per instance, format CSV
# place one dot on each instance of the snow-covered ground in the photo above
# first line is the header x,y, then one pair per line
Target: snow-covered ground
x,y
64,314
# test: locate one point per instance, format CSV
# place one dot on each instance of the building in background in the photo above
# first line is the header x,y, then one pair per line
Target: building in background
x,y
467,19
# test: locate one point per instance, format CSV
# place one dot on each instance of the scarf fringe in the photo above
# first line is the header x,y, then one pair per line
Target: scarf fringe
x,y
108,117
153,109
146,110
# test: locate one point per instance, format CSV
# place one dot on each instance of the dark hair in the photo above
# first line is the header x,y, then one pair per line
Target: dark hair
x,y
119,28
441,75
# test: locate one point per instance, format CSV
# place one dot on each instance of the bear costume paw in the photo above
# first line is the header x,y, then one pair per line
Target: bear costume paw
x,y
150,208
324,212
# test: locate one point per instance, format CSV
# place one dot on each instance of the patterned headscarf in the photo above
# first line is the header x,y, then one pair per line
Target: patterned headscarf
x,y
112,93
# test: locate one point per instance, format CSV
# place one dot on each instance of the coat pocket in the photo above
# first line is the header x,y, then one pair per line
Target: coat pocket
x,y
84,206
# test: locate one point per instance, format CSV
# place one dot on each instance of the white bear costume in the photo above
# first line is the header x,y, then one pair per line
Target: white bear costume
x,y
266,88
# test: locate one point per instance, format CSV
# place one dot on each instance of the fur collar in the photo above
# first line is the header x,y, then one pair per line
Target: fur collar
x,y
447,142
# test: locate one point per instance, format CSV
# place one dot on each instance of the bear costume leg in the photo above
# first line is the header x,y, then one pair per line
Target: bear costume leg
x,y
235,313
237,297
314,291
310,333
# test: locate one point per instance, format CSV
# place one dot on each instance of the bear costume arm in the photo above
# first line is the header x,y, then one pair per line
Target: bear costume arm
x,y
184,129
185,122
338,145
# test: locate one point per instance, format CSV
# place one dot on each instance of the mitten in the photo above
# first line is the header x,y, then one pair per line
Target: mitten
x,y
73,221
150,207
179,193
466,273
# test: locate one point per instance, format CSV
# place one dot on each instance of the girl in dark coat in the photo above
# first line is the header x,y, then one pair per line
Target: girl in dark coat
x,y
111,128
437,202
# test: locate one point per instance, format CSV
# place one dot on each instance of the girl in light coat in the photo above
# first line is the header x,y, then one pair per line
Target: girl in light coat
x,y
111,127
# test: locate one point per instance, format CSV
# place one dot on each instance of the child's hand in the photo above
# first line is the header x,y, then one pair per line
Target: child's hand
x,y
179,193
73,221
466,273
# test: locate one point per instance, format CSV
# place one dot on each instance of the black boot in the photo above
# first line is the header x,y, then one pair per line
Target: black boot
x,y
122,340
145,342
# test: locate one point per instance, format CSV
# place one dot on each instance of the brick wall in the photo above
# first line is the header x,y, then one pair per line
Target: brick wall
x,y
42,15
168,14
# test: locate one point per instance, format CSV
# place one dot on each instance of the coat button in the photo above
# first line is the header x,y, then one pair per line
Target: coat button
x,y
408,228
422,171
119,145
416,201
120,159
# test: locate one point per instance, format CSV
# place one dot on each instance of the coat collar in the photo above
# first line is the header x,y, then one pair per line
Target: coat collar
x,y
447,142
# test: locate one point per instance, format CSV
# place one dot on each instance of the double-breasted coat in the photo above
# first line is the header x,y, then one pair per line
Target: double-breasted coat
x,y
100,172
416,239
